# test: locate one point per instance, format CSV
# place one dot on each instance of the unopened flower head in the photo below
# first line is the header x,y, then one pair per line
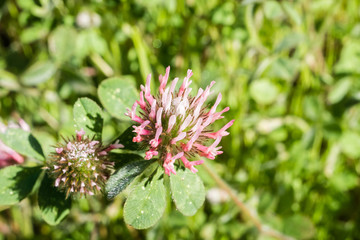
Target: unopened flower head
x,y
176,125
81,165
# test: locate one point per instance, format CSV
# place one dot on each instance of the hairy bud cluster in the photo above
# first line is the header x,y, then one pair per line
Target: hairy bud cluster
x,y
81,165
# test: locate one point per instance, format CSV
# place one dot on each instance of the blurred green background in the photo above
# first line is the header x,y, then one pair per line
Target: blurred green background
x,y
289,70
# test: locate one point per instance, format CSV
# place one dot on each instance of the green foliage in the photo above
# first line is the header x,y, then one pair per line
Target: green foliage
x,y
16,183
117,94
146,203
349,144
62,43
263,91
124,176
299,227
53,204
38,73
339,90
288,70
126,139
88,116
22,142
187,191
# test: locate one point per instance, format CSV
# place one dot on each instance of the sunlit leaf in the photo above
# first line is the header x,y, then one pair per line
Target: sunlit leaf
x,y
117,94
62,42
299,227
339,90
38,73
350,58
88,116
349,144
146,202
187,191
263,91
22,142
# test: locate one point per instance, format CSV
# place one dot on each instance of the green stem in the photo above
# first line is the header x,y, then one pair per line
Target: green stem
x,y
247,213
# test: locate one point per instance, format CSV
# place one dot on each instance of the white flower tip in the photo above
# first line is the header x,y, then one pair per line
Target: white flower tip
x,y
116,145
59,150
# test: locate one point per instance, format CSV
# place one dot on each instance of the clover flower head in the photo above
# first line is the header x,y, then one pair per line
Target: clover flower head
x,y
176,125
81,165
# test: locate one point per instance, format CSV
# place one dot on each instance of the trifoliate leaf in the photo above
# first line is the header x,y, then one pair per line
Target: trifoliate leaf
x,y
187,191
117,94
88,116
16,182
146,202
22,142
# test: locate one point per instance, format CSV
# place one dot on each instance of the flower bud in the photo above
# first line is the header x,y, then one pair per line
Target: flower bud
x,y
81,165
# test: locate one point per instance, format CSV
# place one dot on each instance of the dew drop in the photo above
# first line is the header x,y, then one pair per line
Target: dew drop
x,y
142,212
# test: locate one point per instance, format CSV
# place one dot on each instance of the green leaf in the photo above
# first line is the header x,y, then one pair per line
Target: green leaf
x,y
96,41
38,73
283,68
88,115
33,33
224,14
27,4
124,176
272,10
16,182
344,181
349,144
263,91
339,90
299,227
187,191
291,40
146,202
62,42
350,57
121,159
22,142
74,83
117,94
292,12
126,140
52,203
8,80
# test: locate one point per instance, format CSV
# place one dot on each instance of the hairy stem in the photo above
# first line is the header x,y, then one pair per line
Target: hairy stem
x,y
247,213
